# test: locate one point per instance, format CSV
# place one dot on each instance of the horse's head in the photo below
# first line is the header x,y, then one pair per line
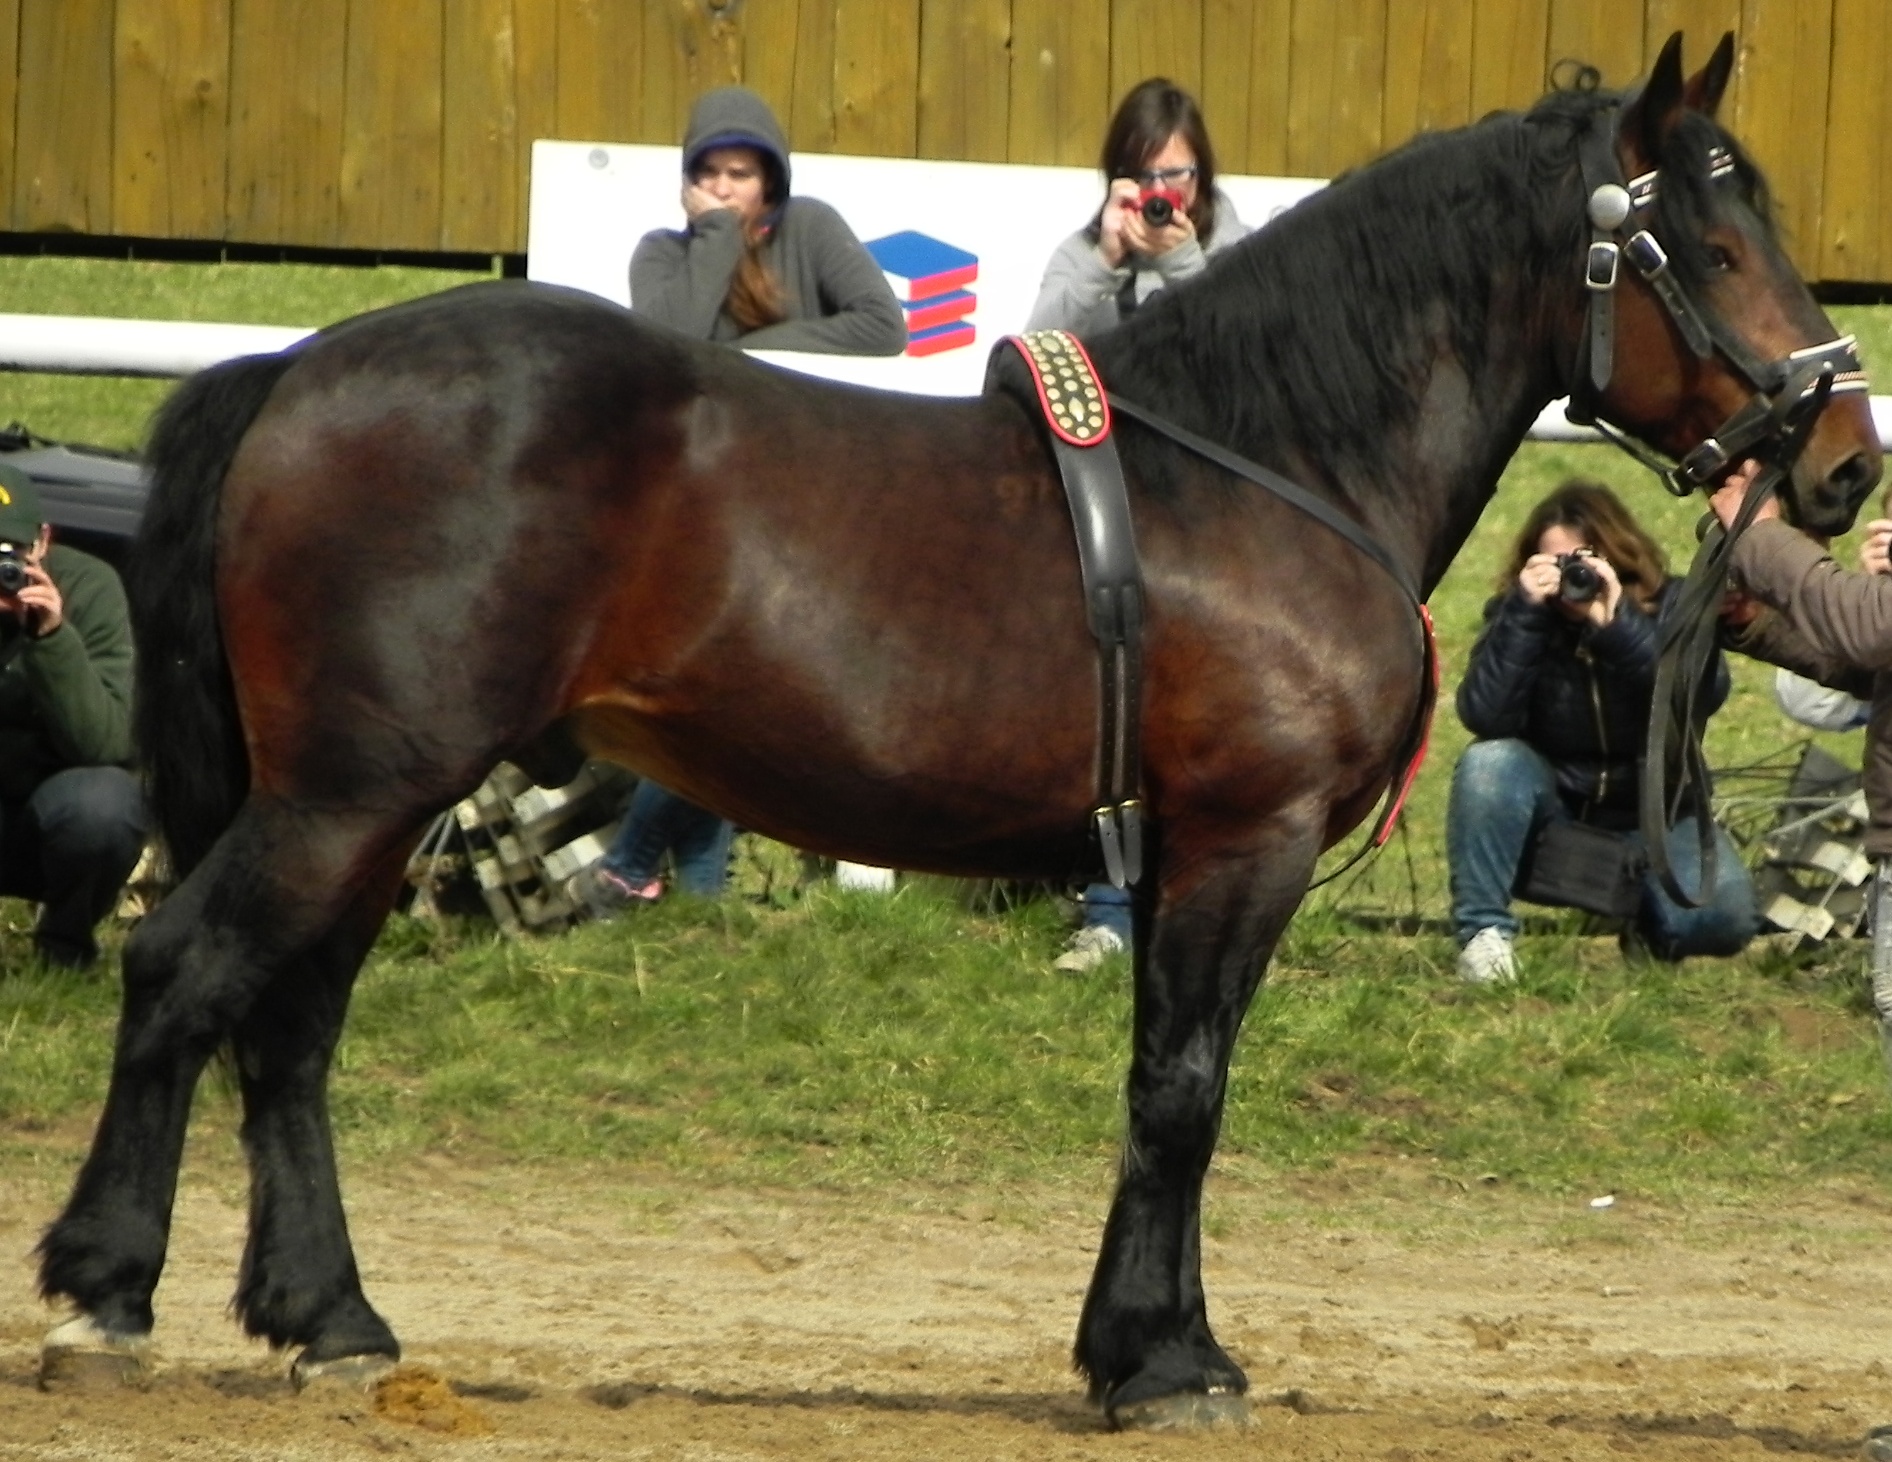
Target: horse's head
x,y
1700,336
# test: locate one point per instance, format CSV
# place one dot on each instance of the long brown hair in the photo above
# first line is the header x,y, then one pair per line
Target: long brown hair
x,y
1154,111
1598,515
755,297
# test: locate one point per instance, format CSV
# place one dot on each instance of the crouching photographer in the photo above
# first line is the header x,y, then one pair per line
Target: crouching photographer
x,y
71,818
1558,689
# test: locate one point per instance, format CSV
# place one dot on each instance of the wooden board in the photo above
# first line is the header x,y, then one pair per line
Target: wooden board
x,y
1428,68
381,126
788,57
9,101
1857,205
1510,61
1245,70
1336,89
688,49
1778,109
965,79
1155,38
1607,34
876,77
287,71
600,57
389,196
170,118
1061,99
63,116
481,175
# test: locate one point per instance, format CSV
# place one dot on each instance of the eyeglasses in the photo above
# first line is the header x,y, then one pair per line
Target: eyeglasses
x,y
1166,177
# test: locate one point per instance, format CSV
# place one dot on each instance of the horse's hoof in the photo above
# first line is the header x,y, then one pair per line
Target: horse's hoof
x,y
1186,1411
1878,1445
355,1373
80,1354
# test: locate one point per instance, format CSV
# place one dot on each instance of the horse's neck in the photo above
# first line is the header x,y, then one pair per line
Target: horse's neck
x,y
1422,489
1441,471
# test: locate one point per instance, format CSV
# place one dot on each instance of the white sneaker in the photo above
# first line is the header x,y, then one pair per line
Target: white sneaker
x,y
1089,948
1488,959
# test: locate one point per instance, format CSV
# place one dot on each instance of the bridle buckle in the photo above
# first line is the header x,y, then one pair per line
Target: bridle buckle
x,y
1599,270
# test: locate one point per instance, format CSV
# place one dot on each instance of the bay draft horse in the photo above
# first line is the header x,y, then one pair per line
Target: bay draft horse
x,y
445,533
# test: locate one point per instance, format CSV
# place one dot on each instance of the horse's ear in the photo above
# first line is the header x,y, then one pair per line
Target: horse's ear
x,y
1655,108
1705,87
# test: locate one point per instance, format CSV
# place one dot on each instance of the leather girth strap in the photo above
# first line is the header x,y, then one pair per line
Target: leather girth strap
x,y
1070,400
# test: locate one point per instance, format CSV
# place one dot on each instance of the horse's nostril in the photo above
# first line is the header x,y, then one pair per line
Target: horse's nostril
x,y
1854,477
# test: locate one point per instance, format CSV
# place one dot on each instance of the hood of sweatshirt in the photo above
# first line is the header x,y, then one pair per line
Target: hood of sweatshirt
x,y
734,116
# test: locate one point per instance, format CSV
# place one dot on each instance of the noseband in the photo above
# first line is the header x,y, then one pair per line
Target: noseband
x,y
1789,394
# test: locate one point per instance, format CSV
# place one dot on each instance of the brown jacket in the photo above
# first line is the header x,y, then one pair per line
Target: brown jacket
x,y
1832,625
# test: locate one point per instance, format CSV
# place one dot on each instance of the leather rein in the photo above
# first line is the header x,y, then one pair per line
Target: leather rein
x,y
1773,426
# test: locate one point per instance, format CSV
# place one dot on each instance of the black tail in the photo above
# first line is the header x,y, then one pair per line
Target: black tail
x,y
196,767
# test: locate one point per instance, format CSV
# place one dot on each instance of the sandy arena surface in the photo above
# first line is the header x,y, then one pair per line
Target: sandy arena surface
x,y
1382,1313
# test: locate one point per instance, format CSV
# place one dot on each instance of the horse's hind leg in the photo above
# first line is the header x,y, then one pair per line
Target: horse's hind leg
x,y
299,1284
1144,1339
270,891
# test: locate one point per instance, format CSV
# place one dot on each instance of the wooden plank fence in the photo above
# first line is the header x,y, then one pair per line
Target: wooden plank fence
x,y
389,126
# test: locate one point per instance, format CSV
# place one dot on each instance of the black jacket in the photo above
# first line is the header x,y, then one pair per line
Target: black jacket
x,y
1578,696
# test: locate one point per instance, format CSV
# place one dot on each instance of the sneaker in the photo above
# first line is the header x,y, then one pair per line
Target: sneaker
x,y
1089,948
604,894
1487,959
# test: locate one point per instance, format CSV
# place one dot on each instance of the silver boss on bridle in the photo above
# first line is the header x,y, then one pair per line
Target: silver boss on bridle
x,y
1790,392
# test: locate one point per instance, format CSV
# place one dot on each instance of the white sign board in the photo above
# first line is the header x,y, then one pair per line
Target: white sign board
x,y
592,202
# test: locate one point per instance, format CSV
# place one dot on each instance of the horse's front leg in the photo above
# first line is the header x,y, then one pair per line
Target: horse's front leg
x,y
1144,1339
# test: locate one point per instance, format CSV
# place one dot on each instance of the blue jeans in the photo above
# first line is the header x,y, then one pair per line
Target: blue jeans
x,y
658,822
1107,906
71,845
1503,792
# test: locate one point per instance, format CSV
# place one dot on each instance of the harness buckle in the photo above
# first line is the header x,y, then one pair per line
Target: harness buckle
x,y
1702,464
1649,257
1599,271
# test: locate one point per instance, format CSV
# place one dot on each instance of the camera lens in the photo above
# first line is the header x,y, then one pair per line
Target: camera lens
x,y
1158,211
12,574
1580,583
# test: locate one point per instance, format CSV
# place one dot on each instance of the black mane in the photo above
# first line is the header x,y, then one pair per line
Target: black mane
x,y
1312,338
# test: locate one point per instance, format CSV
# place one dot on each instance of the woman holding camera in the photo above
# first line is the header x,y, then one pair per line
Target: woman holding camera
x,y
1558,691
1160,219
1161,207
757,268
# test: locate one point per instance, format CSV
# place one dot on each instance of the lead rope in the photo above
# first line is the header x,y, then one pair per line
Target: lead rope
x,y
1685,657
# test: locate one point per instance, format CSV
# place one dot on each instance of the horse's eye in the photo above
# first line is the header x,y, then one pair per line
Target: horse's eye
x,y
1719,259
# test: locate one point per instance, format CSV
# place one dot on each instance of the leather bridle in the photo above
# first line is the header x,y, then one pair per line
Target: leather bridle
x,y
1785,388
1774,425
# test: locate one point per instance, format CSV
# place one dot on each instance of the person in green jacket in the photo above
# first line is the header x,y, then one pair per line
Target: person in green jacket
x,y
72,822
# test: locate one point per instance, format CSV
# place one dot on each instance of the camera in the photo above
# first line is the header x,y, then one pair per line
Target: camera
x,y
13,574
1579,582
1159,205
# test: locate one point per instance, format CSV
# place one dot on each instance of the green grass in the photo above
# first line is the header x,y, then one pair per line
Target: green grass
x,y
111,411
850,1039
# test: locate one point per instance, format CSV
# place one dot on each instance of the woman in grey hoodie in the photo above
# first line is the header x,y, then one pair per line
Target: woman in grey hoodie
x,y
756,268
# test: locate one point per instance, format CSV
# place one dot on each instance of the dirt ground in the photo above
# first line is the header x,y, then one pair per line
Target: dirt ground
x,y
1382,1313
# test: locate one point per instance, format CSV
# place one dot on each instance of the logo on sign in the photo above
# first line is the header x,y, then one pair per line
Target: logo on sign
x,y
929,277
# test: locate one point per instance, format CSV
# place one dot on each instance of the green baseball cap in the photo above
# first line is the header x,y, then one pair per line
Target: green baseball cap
x,y
20,514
